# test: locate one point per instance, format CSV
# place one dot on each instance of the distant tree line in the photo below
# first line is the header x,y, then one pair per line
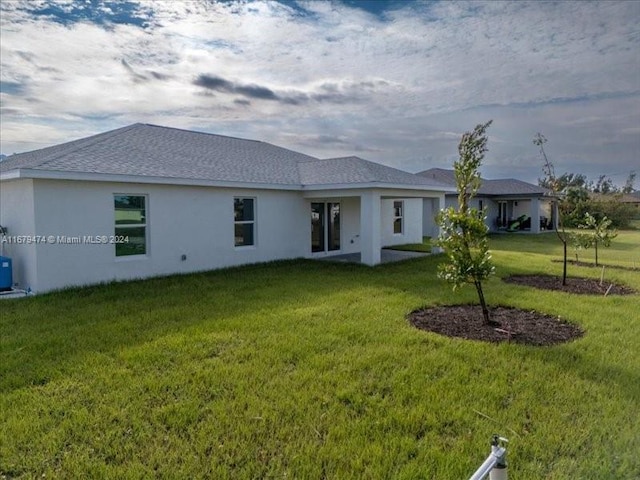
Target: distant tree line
x,y
599,198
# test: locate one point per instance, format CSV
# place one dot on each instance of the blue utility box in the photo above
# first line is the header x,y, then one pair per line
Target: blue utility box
x,y
6,274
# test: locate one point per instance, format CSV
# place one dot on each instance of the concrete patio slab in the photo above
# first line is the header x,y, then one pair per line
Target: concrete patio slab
x,y
386,256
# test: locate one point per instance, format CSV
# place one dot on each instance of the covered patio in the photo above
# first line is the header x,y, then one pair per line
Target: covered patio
x,y
386,256
355,225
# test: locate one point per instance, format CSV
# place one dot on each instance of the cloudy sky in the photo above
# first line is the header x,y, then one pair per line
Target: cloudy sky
x,y
396,82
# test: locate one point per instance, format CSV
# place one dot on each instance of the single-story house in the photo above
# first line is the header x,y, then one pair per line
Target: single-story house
x,y
147,200
631,199
510,204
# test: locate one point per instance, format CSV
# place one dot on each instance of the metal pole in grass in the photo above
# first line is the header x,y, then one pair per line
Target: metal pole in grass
x,y
496,463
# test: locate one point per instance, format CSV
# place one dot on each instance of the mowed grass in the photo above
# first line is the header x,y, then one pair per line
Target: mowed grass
x,y
310,370
425,246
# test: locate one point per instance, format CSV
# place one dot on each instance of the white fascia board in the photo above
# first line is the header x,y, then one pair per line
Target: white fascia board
x,y
10,175
517,196
310,190
385,189
115,178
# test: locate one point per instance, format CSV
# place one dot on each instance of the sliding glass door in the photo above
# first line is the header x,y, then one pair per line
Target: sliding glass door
x,y
317,227
325,227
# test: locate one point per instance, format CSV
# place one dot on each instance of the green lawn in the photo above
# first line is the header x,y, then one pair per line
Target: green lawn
x,y
309,370
425,246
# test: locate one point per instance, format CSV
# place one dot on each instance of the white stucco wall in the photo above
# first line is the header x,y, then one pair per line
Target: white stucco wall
x,y
17,215
523,207
412,222
545,208
491,211
451,201
350,225
429,212
181,220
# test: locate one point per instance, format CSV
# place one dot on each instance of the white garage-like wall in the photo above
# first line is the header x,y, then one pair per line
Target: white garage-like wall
x,y
412,221
188,228
197,222
16,215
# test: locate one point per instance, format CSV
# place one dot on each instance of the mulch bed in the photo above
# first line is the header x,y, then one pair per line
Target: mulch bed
x,y
514,325
579,285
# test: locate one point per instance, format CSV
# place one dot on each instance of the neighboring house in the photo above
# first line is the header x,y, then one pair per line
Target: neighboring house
x,y
177,201
633,199
511,204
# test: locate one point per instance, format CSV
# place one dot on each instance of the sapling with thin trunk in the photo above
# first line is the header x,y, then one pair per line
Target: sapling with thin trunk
x,y
598,232
554,184
463,232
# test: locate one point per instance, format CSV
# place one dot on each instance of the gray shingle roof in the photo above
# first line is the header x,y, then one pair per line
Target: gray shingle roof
x,y
498,187
441,175
353,170
155,151
150,150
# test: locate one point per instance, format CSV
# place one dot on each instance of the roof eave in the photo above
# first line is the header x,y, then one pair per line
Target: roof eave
x,y
159,180
10,175
382,185
143,179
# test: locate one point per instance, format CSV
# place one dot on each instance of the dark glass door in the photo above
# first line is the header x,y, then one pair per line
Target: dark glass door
x,y
317,227
325,233
334,226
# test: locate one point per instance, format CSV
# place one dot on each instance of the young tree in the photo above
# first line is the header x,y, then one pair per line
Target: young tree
x,y
604,185
463,231
580,241
599,232
628,185
554,184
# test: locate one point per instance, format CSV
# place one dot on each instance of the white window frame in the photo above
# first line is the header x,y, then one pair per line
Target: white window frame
x,y
246,222
144,225
398,217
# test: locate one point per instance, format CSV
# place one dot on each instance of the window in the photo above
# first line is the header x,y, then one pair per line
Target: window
x,y
244,221
398,216
131,224
333,234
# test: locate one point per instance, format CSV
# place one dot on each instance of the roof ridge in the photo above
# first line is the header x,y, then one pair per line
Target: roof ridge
x,y
261,142
164,127
368,164
81,143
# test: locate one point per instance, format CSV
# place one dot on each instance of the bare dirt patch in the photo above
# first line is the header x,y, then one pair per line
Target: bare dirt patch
x,y
513,325
579,285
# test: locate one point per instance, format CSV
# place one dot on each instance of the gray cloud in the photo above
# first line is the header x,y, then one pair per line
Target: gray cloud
x,y
328,92
138,77
135,76
160,76
400,86
257,92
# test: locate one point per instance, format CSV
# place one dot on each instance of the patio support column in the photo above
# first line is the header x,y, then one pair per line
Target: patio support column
x,y
370,233
535,215
438,204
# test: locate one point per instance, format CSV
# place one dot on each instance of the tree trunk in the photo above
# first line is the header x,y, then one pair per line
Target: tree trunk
x,y
564,265
483,303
